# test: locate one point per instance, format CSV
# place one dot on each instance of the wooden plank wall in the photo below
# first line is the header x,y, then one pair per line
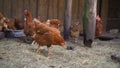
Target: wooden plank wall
x,y
46,9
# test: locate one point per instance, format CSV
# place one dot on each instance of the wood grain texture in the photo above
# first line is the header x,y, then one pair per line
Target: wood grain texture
x,y
43,9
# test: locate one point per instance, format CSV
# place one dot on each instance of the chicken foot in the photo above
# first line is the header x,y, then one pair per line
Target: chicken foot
x,y
48,46
37,50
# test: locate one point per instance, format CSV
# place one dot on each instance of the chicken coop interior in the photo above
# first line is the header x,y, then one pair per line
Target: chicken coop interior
x,y
59,34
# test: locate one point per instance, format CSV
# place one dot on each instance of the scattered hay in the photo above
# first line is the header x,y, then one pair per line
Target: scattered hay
x,y
14,54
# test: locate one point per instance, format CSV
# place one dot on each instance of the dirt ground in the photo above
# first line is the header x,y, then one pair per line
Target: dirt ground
x,y
16,54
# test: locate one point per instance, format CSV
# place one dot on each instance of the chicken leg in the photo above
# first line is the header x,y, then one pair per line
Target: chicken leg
x,y
37,50
48,46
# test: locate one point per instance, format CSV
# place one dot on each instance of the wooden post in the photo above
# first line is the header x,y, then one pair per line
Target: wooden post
x,y
89,21
67,20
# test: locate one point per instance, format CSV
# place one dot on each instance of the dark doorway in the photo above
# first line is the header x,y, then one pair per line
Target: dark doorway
x,y
99,7
113,21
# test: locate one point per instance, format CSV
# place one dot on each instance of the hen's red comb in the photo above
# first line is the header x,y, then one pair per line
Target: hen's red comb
x,y
25,11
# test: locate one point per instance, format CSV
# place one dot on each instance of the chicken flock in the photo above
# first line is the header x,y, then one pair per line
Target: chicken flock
x,y
45,33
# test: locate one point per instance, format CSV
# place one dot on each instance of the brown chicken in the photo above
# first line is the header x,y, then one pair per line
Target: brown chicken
x,y
38,18
99,27
1,21
54,23
10,24
29,26
18,24
48,36
45,35
75,31
7,23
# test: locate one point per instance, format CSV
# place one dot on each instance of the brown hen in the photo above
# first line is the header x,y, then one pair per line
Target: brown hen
x,y
42,33
29,26
75,31
46,35
7,23
18,24
99,27
54,23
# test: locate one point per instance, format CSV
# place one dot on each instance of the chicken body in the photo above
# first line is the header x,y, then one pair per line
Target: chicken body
x,y
75,32
18,24
10,24
99,27
47,36
1,21
29,26
6,23
54,23
42,33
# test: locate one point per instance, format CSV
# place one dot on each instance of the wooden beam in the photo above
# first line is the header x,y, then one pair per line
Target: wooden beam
x,y
89,21
1,5
67,20
43,9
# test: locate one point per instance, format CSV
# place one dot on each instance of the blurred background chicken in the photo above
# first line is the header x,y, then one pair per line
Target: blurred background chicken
x,y
75,31
18,24
99,27
38,18
54,23
1,21
42,33
10,24
6,22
